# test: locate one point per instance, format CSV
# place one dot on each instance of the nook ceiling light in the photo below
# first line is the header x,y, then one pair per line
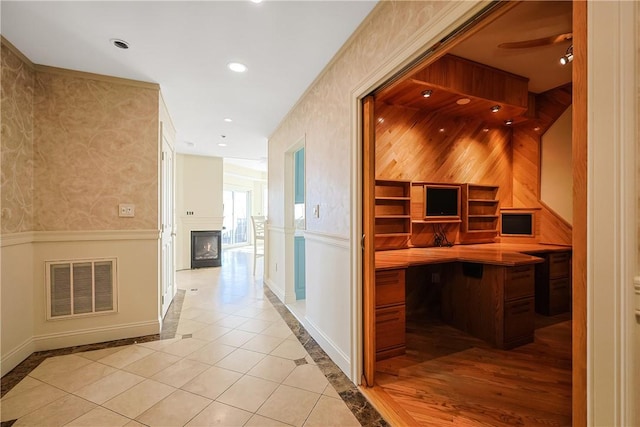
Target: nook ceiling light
x,y
222,144
237,67
227,119
508,122
495,108
568,56
427,93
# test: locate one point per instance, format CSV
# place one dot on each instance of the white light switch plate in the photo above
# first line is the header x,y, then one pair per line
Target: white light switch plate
x,y
127,210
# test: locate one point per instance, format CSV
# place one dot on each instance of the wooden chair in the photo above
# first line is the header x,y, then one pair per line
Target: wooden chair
x,y
258,223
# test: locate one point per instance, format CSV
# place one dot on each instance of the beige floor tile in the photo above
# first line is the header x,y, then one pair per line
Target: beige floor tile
x,y
57,413
331,392
150,365
248,393
184,347
134,423
160,344
139,398
262,343
180,372
28,401
280,330
54,366
74,380
231,321
126,356
219,414
271,315
331,412
212,382
249,312
99,417
308,377
290,350
211,332
186,326
289,405
211,353
209,317
26,384
255,325
273,368
96,355
191,313
310,360
260,421
236,338
108,387
174,410
240,360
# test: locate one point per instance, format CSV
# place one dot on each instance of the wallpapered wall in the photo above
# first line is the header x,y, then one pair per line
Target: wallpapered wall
x,y
73,148
95,146
17,143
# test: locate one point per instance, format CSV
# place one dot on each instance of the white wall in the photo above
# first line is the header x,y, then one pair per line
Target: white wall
x,y
556,173
198,190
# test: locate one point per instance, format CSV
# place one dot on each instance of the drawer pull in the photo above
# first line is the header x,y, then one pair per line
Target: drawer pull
x,y
520,308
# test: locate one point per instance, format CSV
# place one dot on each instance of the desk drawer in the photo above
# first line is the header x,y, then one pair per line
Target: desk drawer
x,y
519,282
390,327
390,287
559,265
559,296
518,320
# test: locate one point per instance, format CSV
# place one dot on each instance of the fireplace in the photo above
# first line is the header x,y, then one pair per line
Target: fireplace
x,y
206,249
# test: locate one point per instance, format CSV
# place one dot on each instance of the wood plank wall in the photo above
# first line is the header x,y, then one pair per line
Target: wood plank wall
x,y
526,164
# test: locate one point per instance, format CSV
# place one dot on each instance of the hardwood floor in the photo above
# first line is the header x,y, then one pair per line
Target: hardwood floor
x,y
449,377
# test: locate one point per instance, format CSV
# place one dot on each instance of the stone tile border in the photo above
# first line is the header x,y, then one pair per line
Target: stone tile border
x,y
366,414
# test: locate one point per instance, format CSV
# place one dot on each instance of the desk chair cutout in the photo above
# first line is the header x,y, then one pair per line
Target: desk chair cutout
x,y
258,235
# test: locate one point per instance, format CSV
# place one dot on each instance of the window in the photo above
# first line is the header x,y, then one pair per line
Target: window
x,y
80,288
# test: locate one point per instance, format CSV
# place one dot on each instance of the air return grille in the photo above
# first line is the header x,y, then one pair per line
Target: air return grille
x,y
81,287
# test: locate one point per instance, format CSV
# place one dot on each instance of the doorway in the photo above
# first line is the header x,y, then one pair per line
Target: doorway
x,y
235,227
370,119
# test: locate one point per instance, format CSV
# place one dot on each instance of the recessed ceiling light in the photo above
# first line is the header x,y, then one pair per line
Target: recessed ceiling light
x,y
256,1
427,93
120,44
237,67
463,101
441,129
222,144
508,122
495,108
485,130
227,119
380,120
537,128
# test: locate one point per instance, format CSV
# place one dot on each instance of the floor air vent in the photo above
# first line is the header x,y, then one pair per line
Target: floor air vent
x,y
80,287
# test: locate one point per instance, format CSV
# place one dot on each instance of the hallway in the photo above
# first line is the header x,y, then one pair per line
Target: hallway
x,y
233,361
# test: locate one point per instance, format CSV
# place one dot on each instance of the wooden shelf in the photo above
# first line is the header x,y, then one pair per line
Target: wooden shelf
x,y
436,221
479,213
392,213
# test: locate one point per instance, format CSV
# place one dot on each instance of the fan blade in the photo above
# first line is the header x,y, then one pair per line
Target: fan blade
x,y
537,42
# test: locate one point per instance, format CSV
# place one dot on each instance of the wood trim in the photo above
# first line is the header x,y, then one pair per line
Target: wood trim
x,y
99,77
16,52
390,410
579,149
368,229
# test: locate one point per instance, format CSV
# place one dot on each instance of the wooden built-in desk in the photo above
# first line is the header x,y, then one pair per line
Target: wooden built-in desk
x,y
488,290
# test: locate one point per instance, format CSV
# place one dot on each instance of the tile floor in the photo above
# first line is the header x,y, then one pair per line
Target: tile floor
x,y
233,362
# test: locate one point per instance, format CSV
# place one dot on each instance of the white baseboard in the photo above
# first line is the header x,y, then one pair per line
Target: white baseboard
x,y
95,335
338,356
17,355
275,289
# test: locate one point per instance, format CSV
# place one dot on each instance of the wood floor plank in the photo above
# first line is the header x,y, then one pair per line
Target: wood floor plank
x,y
450,378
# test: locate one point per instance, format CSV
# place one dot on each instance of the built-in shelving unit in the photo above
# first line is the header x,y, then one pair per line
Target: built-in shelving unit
x,y
479,212
392,213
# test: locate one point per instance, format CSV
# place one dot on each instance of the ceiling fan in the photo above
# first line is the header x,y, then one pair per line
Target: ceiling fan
x,y
544,41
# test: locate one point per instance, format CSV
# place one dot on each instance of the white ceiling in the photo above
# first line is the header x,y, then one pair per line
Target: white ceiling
x,y
185,47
